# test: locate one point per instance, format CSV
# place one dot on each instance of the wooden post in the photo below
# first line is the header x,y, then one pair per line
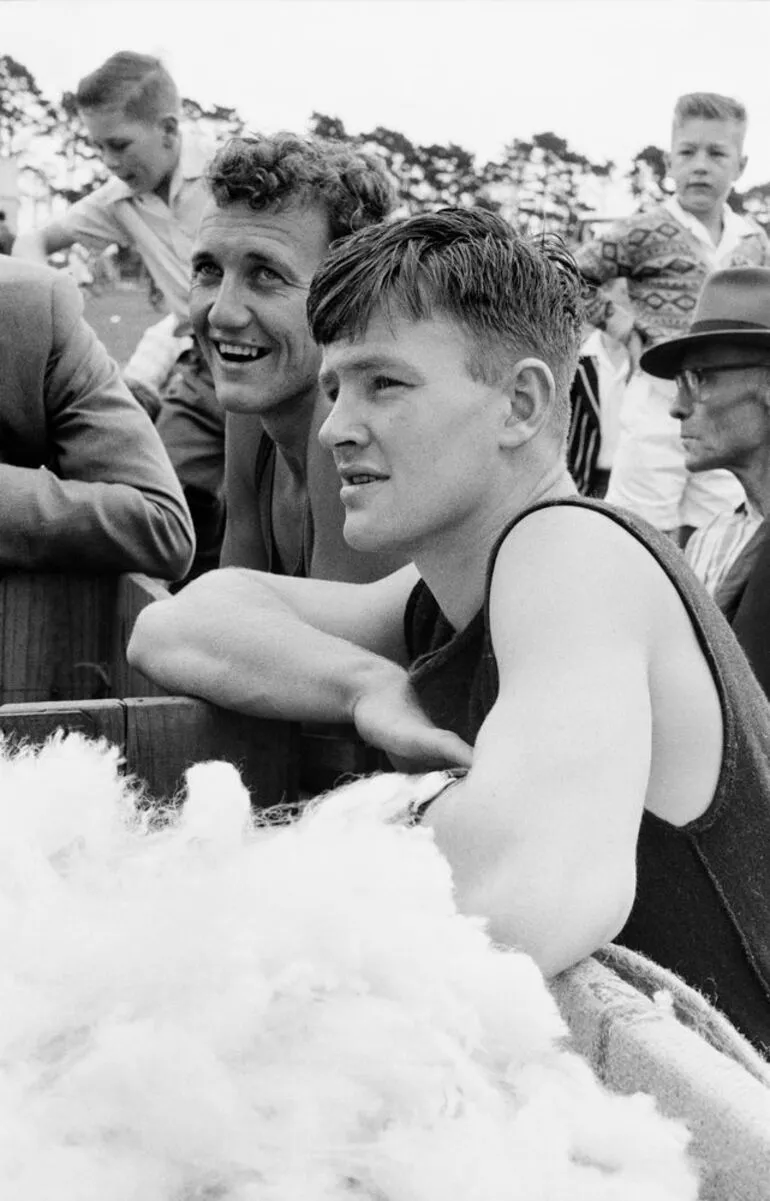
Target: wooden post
x,y
55,636
165,736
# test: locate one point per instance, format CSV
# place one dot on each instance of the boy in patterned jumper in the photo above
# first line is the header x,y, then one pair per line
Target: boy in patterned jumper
x,y
665,255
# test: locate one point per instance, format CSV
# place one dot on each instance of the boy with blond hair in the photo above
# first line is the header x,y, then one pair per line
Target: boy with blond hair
x,y
665,254
153,202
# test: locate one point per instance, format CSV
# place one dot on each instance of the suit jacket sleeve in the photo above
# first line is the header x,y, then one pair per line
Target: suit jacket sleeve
x,y
107,498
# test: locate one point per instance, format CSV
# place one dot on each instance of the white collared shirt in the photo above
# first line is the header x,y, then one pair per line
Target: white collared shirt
x,y
163,234
734,228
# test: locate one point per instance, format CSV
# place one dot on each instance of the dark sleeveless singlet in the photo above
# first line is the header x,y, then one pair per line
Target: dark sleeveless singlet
x,y
264,474
702,905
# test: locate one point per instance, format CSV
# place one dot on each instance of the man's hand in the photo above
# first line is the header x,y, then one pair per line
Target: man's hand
x,y
388,715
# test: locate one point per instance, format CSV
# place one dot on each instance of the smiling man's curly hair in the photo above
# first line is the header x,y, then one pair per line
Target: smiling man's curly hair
x,y
264,172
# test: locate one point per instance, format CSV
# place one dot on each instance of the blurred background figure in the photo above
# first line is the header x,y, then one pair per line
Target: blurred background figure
x,y
131,108
6,236
665,254
598,389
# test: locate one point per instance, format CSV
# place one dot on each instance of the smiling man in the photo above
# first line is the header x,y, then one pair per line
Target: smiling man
x,y
665,254
721,368
276,204
619,783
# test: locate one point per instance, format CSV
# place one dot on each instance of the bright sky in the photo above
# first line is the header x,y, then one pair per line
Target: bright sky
x,y
602,73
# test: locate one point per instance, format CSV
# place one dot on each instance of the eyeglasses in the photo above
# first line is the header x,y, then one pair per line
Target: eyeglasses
x,y
692,379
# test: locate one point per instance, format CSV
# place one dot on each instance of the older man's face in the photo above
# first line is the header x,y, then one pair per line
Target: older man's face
x,y
723,405
250,278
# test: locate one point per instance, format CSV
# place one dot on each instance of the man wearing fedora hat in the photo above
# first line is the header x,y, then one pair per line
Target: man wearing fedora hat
x,y
722,370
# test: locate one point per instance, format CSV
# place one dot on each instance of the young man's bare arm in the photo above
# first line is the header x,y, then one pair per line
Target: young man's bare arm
x,y
40,243
542,834
298,650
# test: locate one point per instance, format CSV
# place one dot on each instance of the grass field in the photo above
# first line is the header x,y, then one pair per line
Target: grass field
x,y
120,316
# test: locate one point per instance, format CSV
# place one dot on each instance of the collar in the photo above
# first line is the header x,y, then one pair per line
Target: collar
x,y
734,227
195,153
595,345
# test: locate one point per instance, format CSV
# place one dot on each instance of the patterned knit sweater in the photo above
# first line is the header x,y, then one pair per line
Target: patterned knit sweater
x,y
665,266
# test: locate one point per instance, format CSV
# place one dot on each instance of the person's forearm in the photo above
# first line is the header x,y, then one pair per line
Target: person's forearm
x,y
47,523
229,639
31,246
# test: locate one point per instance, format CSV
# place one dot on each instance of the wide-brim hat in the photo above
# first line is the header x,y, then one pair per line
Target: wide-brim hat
x,y
733,307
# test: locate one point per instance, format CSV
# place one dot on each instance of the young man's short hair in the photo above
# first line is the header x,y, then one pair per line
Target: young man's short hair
x,y
136,83
512,296
709,106
271,172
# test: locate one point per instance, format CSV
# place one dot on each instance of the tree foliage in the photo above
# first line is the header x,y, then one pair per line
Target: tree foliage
x,y
219,121
541,183
647,177
535,184
426,177
25,114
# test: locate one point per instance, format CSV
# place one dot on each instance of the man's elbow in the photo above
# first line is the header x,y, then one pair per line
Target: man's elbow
x,y
171,642
168,548
151,637
156,650
561,925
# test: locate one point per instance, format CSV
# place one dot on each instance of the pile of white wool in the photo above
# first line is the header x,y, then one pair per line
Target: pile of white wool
x,y
201,1009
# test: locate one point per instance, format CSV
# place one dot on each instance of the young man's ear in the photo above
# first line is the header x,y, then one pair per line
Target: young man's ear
x,y
531,393
170,126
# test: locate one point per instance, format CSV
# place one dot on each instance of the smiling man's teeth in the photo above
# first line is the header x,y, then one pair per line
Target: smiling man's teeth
x,y
234,351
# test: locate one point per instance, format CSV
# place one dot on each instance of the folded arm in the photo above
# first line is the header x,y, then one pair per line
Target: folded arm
x,y
542,834
107,497
295,649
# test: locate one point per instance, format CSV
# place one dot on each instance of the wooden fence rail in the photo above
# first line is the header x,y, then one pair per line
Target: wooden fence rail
x,y
63,665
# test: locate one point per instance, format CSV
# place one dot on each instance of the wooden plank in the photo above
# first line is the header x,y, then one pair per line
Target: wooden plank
x,y
134,593
36,722
164,736
55,636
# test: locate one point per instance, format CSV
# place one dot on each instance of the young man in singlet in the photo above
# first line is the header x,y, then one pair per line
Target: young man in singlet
x,y
619,782
276,204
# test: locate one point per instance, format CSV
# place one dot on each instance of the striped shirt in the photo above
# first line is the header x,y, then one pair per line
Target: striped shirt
x,y
712,549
